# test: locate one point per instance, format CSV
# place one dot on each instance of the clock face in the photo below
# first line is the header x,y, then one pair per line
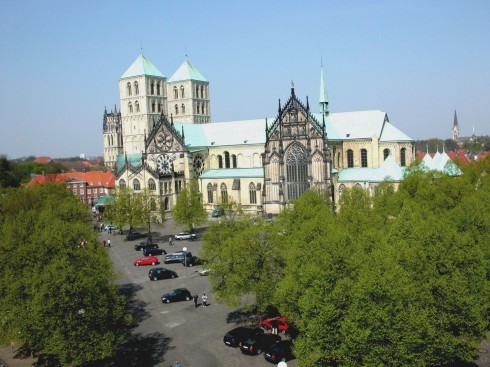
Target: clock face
x,y
198,164
164,164
164,141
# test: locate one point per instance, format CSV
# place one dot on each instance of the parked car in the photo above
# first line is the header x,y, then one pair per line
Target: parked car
x,y
282,325
161,273
279,352
154,251
234,337
179,294
185,258
145,245
148,260
217,212
185,236
257,343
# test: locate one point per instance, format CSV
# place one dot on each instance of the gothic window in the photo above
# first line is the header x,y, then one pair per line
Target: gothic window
x,y
364,160
220,161
224,193
176,93
358,186
182,108
128,86
152,185
122,184
136,185
403,158
210,193
202,91
350,158
386,153
197,108
152,88
176,109
166,204
153,106
227,160
252,193
130,106
182,91
158,88
160,107
137,106
297,172
136,88
233,161
197,91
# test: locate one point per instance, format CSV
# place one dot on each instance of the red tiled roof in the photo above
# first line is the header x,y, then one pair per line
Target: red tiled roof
x,y
460,156
44,160
92,178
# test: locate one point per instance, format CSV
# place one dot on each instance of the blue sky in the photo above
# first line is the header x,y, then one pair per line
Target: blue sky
x,y
60,62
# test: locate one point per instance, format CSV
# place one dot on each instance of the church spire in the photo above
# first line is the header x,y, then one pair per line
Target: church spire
x,y
323,93
455,119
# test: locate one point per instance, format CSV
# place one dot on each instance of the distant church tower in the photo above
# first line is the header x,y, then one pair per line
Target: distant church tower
x,y
188,96
455,134
113,138
143,98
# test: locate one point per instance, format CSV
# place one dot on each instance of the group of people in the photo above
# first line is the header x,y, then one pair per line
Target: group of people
x,y
108,243
204,300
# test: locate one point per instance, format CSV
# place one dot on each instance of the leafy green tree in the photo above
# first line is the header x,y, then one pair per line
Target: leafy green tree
x,y
189,210
57,293
127,210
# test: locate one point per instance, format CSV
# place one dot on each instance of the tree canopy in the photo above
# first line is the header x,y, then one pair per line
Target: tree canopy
x,y
188,209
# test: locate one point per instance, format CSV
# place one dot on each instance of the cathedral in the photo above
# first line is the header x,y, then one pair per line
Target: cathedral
x,y
162,136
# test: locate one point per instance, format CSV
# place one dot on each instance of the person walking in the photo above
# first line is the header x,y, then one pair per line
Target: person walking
x,y
195,299
204,300
274,325
103,243
170,241
108,243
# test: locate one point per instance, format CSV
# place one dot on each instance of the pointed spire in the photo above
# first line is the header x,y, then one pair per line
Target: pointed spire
x,y
105,111
427,148
126,157
323,93
183,136
279,109
455,119
266,126
292,88
115,108
307,104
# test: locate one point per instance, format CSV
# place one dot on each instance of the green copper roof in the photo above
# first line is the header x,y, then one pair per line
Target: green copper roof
x,y
142,66
187,72
389,170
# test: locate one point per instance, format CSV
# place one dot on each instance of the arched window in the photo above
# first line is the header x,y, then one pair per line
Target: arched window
x,y
160,107
341,190
364,161
403,158
220,161
176,109
130,107
182,91
358,186
210,193
197,91
202,91
166,204
227,160
137,106
252,193
158,88
136,185
136,88
122,184
297,172
224,193
350,158
386,153
182,108
197,108
152,88
233,161
128,86
152,185
338,159
153,106
176,93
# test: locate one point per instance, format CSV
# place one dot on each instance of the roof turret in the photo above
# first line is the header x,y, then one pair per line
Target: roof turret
x,y
142,66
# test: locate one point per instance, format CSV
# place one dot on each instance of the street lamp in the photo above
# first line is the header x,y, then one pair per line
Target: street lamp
x,y
185,260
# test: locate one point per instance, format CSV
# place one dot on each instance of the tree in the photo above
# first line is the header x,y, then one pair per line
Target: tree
x,y
127,210
57,295
189,210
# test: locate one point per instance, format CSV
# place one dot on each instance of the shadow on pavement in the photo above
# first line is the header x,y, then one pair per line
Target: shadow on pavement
x,y
135,306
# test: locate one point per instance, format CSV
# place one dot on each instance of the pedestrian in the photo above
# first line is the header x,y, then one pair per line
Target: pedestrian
x,y
204,300
274,325
195,300
103,243
170,241
108,243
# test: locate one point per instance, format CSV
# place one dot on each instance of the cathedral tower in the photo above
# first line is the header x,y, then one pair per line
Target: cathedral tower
x,y
188,96
142,93
113,139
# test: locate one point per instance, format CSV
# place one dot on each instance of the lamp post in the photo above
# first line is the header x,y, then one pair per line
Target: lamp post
x,y
185,260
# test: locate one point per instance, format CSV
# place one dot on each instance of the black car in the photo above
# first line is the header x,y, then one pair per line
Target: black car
x,y
279,352
234,337
145,245
257,343
179,294
161,273
154,251
185,258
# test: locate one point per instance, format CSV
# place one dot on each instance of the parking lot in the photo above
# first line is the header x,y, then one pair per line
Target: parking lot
x,y
166,333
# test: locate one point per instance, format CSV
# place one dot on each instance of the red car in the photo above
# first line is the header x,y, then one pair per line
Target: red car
x,y
148,260
282,325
